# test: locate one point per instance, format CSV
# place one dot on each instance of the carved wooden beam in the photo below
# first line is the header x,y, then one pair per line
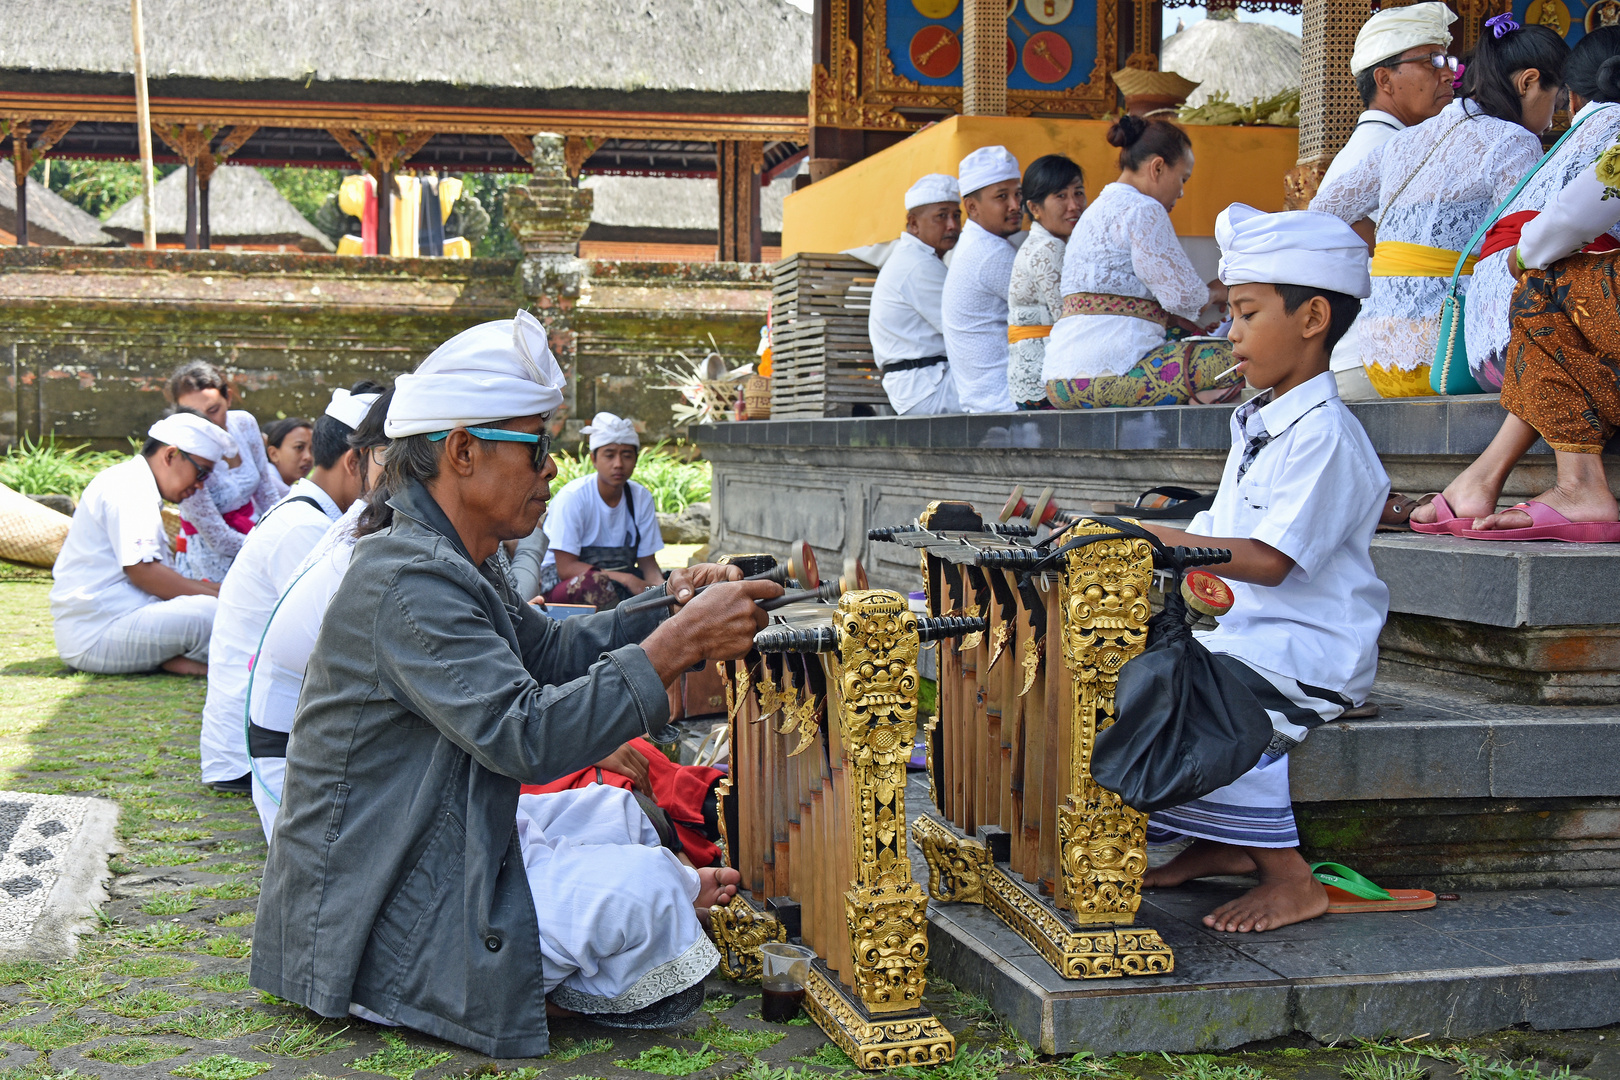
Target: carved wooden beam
x,y
523,144
576,151
234,140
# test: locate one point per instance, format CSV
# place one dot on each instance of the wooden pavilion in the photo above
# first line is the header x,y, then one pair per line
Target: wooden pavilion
x,y
638,87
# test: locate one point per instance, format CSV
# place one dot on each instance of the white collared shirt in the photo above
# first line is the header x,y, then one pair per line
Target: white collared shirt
x,y
905,322
975,316
118,523
259,574
1314,492
1373,129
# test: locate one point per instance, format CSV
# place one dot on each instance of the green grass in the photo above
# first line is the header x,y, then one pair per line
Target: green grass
x,y
1371,1066
399,1059
221,1067
166,855
675,483
237,867
133,1052
16,971
70,989
306,1041
232,946
169,904
236,918
47,468
718,1003
215,1025
149,967
738,1040
231,890
828,1057
228,982
1205,1067
670,1060
54,1034
161,936
565,1050
144,1004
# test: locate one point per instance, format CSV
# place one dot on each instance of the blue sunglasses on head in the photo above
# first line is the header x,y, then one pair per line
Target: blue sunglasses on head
x,y
542,442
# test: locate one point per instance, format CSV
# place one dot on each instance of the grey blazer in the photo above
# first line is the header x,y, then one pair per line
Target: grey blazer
x,y
394,879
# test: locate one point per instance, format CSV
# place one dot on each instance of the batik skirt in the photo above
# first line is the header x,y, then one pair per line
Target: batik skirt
x,y
1169,375
1562,374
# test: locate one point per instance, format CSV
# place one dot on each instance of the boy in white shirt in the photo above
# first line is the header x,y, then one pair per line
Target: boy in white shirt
x,y
602,529
1298,503
118,605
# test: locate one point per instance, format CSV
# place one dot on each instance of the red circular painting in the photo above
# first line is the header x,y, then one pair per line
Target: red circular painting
x,y
1047,56
935,51
1012,56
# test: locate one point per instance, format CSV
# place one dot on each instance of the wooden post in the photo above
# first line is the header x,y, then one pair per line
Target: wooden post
x,y
984,57
205,175
20,130
739,168
143,129
385,211
191,207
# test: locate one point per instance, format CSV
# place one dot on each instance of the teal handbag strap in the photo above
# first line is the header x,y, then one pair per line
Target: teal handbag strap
x,y
1485,227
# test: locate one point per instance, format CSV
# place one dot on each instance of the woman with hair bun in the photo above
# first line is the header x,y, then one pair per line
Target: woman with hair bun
x,y
1431,186
1128,287
1054,198
1593,77
214,521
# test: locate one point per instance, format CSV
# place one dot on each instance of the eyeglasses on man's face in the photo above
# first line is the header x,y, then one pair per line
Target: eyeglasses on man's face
x,y
1439,61
541,442
203,471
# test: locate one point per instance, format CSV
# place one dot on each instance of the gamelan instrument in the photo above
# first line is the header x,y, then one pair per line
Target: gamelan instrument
x,y
823,719
1017,822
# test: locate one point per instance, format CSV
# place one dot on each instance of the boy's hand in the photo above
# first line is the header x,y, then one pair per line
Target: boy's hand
x,y
1253,561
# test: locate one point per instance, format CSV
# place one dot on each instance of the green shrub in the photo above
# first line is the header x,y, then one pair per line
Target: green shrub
x,y
44,468
675,483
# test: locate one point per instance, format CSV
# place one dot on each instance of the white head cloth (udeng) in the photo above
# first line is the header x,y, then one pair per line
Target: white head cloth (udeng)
x,y
194,435
933,188
1392,31
985,166
605,429
495,371
1295,247
349,409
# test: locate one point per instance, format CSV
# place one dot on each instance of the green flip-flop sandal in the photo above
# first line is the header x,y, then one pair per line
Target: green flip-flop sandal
x,y
1349,892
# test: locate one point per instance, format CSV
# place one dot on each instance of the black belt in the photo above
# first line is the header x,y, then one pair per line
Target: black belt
x,y
266,742
912,365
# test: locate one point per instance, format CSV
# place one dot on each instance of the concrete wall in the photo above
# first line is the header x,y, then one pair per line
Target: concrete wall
x,y
87,337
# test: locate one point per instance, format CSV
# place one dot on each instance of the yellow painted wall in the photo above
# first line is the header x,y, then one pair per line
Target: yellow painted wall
x,y
864,204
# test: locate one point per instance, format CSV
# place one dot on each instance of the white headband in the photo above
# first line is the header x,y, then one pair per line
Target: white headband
x,y
349,409
985,166
1296,247
1392,31
194,435
605,429
933,188
495,371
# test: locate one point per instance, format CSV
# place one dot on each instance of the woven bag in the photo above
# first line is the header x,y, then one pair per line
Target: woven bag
x,y
30,533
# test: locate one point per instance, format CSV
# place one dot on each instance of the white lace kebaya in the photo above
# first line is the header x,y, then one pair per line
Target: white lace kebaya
x,y
1472,171
1034,298
1123,245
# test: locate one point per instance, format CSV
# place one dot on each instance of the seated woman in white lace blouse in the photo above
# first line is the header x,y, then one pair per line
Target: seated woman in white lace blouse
x,y
1433,184
1127,282
1054,198
214,520
1593,105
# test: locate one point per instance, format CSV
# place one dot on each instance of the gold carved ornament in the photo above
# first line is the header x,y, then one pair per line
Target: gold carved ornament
x,y
738,931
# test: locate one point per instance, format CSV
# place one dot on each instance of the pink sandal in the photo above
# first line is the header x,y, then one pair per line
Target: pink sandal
x,y
1548,524
1445,522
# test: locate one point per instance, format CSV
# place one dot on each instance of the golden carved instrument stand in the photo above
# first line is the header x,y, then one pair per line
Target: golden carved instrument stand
x,y
823,717
1080,843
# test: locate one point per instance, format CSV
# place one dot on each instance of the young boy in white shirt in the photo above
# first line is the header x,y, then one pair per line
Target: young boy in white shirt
x,y
1298,503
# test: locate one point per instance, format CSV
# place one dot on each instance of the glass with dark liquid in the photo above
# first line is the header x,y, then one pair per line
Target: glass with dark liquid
x,y
786,968
783,999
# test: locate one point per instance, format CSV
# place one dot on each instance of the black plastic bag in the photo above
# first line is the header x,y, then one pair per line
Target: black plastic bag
x,y
1184,725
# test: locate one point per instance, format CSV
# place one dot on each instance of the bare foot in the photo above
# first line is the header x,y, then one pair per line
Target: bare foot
x,y
1467,496
181,665
1204,858
718,884
1587,503
1287,893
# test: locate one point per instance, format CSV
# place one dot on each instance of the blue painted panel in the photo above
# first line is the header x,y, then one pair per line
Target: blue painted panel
x,y
1054,42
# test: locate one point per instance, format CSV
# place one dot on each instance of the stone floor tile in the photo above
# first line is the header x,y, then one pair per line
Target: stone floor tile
x,y
1374,954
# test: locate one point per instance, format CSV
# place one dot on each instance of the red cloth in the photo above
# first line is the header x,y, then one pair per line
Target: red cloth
x,y
1505,234
240,519
679,790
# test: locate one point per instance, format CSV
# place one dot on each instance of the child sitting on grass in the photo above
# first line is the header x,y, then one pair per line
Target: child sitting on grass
x,y
1299,499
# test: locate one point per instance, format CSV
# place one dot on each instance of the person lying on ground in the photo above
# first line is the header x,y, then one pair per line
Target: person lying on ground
x,y
118,605
287,445
262,570
407,880
602,529
1299,499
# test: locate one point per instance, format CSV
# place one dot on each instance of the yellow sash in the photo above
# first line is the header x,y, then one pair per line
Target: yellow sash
x,y
1395,258
1027,333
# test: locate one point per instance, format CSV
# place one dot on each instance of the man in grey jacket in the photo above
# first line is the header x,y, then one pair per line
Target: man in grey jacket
x,y
404,882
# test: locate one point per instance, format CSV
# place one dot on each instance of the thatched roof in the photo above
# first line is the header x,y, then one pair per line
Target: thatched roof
x,y
724,46
663,202
52,220
1247,60
243,208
